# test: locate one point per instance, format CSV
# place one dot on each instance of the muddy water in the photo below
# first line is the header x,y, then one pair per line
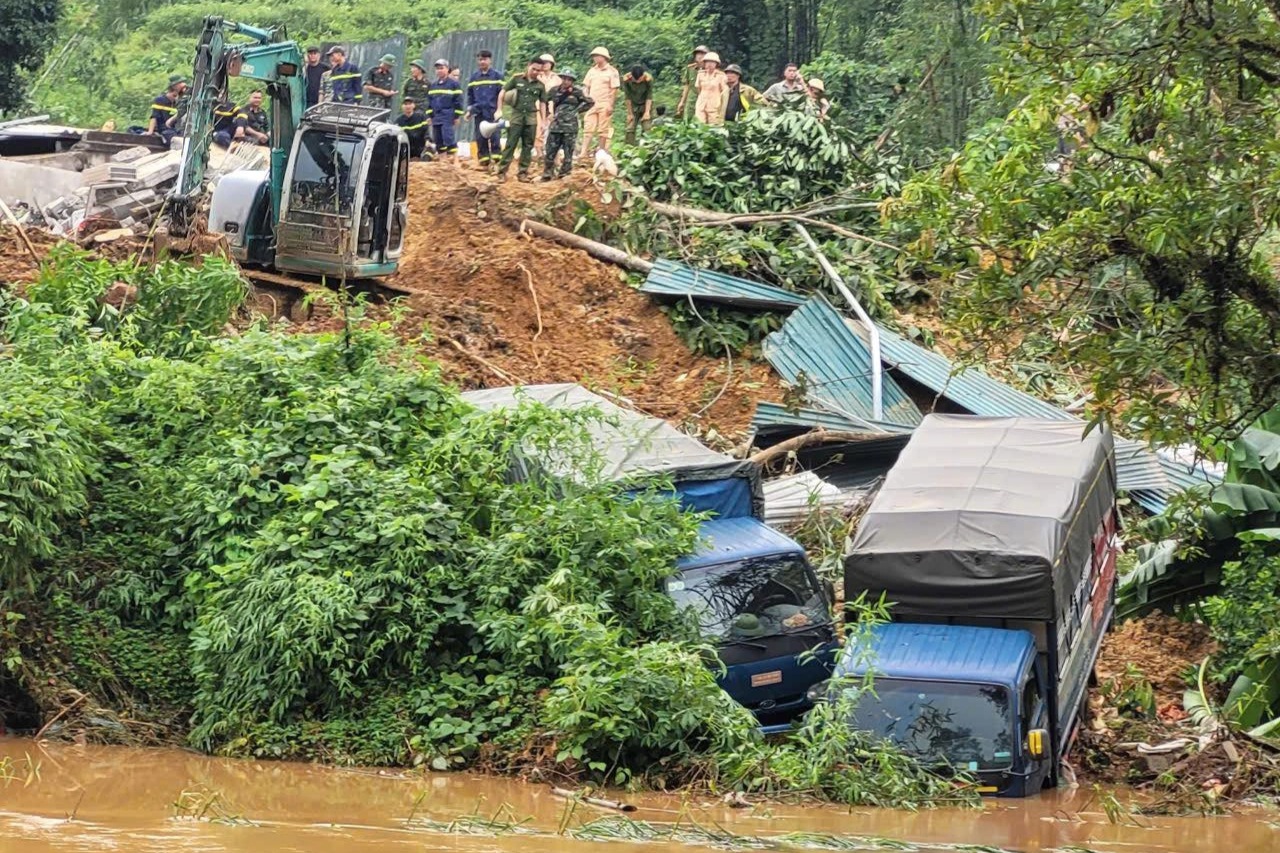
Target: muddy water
x,y
68,798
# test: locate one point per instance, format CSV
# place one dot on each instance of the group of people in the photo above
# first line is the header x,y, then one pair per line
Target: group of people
x,y
546,110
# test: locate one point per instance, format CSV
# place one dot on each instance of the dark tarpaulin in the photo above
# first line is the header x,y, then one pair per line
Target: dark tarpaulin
x,y
985,517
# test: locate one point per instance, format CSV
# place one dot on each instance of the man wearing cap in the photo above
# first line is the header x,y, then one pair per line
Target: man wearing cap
x,y
713,86
567,103
164,109
314,72
688,79
380,83
413,122
483,91
344,78
417,87
740,98
444,108
601,85
637,93
551,80
520,97
790,90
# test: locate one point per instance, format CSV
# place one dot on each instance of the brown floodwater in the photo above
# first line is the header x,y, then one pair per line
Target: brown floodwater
x,y
72,798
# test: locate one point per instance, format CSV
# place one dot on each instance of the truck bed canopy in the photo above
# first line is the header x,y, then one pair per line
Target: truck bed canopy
x,y
634,446
985,518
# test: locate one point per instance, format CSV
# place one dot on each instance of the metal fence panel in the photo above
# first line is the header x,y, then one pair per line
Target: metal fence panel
x,y
460,49
365,55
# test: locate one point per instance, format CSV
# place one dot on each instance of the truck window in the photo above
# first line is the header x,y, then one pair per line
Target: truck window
x,y
326,173
1030,702
946,724
753,598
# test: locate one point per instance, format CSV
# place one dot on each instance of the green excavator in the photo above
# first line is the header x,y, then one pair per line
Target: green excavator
x,y
333,201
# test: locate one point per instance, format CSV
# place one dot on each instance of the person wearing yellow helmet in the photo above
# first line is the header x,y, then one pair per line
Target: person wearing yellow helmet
x,y
601,84
712,86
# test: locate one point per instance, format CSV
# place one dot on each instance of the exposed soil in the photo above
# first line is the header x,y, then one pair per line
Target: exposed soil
x,y
1161,648
502,307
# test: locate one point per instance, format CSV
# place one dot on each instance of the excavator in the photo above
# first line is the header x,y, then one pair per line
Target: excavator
x,y
333,201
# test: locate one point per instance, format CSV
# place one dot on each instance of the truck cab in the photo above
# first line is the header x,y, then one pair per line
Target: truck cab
x,y
960,699
759,600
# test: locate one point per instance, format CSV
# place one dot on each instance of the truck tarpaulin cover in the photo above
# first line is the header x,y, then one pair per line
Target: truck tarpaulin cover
x,y
634,446
985,517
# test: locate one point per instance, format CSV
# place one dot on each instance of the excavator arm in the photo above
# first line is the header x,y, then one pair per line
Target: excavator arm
x,y
268,57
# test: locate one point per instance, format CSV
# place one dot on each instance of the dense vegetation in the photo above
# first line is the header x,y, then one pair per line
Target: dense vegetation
x,y
308,546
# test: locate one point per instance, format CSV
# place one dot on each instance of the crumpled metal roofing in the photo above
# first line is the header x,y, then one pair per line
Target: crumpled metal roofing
x,y
776,414
1150,478
669,278
815,350
795,497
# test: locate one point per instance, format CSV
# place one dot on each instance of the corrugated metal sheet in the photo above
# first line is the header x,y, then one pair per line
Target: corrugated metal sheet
x,y
775,414
671,279
964,653
1138,469
790,499
365,55
460,49
815,350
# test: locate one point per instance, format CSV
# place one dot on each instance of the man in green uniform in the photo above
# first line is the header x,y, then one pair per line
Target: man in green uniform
x,y
689,81
520,97
568,103
417,87
637,90
380,83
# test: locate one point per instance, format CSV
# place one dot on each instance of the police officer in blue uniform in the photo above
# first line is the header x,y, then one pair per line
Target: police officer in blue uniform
x,y
164,109
344,78
444,108
484,89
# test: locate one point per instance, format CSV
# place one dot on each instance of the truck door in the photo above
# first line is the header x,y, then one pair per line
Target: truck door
x,y
1033,713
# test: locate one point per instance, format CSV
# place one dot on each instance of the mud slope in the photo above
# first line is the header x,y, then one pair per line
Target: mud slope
x,y
478,277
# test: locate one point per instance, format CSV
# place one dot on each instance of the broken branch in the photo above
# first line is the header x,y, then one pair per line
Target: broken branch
x,y
817,436
591,247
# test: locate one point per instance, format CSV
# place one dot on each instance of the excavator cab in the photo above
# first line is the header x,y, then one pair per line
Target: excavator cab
x,y
343,204
345,201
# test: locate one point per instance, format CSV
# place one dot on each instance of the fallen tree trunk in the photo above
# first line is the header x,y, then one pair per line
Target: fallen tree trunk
x,y
809,439
715,218
591,247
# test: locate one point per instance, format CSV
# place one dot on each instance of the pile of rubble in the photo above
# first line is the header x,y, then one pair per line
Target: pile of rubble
x,y
75,183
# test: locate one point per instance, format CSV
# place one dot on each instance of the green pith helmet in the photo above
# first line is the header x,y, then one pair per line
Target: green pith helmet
x,y
175,79
568,72
418,64
387,59
747,625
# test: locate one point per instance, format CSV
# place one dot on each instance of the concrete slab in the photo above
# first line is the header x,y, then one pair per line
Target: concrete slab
x,y
38,185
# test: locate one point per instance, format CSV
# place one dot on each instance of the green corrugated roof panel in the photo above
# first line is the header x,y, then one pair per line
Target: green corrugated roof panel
x,y
775,414
671,279
815,350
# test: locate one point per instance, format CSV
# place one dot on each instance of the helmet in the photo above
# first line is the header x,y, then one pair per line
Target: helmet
x,y
568,72
546,57
388,59
712,56
702,48
419,64
509,98
601,51
175,79
734,68
815,83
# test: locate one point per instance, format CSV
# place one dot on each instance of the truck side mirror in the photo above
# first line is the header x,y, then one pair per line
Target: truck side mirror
x,y
1038,744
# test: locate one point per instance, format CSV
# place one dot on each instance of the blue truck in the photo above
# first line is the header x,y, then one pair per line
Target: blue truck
x,y
995,541
753,589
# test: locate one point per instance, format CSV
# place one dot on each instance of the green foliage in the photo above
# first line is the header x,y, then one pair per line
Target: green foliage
x,y
770,160
29,27
1130,188
712,330
129,47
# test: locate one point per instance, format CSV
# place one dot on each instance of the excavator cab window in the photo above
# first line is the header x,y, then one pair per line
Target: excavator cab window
x,y
395,238
327,173
378,202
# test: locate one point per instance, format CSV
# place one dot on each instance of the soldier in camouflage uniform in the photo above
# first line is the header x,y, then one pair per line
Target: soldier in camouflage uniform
x,y
380,83
521,97
417,87
567,103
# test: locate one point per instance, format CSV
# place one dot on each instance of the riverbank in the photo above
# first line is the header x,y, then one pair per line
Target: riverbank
x,y
82,799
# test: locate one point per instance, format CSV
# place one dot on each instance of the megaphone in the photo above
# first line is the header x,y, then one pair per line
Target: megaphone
x,y
489,128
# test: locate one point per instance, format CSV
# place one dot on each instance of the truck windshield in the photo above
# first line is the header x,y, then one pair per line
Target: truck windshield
x,y
752,598
326,173
966,726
